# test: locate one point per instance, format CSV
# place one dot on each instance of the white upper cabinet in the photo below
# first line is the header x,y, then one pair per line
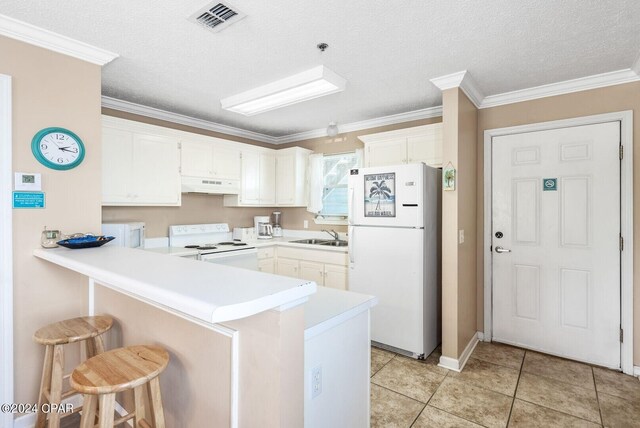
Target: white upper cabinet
x,y
291,176
208,157
409,145
139,167
257,181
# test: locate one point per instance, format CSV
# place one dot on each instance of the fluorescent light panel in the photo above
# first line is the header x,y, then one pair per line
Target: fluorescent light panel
x,y
310,84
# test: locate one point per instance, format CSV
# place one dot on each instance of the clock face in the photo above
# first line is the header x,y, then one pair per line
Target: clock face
x,y
58,148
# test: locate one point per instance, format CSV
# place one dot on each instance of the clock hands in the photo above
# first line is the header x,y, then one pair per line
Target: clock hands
x,y
66,149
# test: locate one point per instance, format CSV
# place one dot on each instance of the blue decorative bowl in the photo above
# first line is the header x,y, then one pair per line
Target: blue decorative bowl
x,y
88,241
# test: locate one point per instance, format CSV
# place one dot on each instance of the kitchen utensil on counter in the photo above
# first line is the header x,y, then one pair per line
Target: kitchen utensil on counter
x,y
244,233
49,238
265,231
277,229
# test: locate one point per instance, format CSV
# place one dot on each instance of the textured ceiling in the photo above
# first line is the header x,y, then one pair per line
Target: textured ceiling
x,y
386,50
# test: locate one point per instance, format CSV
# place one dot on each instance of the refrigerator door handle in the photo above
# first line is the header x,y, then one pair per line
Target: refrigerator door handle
x,y
351,229
351,201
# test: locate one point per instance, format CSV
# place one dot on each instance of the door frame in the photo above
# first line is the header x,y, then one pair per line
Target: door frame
x,y
626,219
6,251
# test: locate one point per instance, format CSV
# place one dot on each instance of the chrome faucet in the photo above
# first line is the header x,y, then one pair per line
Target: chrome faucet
x,y
333,234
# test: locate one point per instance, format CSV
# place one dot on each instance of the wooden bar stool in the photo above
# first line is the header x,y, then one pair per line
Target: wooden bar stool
x,y
54,337
101,377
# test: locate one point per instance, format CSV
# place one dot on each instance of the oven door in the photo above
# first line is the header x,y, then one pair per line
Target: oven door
x,y
245,259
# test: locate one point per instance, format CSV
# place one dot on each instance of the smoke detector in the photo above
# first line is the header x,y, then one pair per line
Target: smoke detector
x,y
217,16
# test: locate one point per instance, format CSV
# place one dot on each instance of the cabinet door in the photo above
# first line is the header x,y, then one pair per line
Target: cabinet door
x,y
267,179
336,276
266,265
285,179
383,153
312,271
250,182
196,159
155,170
226,162
287,267
426,148
117,166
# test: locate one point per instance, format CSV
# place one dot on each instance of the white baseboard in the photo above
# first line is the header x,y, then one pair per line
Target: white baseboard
x,y
480,336
636,371
458,365
29,421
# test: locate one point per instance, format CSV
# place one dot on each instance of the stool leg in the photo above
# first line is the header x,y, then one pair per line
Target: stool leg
x,y
156,403
107,404
98,344
88,418
139,395
57,374
90,348
45,385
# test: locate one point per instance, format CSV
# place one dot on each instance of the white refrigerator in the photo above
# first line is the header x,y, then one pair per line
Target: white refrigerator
x,y
394,253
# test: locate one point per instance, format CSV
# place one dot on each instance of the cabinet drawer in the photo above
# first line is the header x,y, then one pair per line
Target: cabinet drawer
x,y
266,253
313,255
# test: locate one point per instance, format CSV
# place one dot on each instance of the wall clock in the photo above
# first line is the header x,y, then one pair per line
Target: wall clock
x,y
58,148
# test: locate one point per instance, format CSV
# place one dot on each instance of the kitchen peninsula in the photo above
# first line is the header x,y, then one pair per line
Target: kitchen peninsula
x,y
241,341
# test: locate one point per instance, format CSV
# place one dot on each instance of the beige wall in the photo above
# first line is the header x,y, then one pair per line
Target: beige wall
x,y
458,207
50,89
596,101
198,208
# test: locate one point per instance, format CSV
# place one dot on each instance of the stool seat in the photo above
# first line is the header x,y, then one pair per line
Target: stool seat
x,y
119,369
73,330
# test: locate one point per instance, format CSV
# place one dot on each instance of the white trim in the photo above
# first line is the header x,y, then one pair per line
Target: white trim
x,y
126,106
636,371
559,88
462,80
480,336
636,65
6,250
28,33
425,113
626,217
458,365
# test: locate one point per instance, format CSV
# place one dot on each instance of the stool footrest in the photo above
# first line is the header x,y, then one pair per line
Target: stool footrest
x,y
123,419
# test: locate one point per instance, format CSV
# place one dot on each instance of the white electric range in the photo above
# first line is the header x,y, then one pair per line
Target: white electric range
x,y
214,244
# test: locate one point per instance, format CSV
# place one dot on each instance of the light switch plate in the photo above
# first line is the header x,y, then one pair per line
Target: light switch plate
x,y
306,224
461,236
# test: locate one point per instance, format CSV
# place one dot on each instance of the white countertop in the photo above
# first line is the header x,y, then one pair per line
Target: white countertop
x,y
174,251
205,291
329,307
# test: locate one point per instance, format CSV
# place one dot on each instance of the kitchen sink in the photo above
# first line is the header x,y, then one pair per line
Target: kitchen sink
x,y
338,243
311,241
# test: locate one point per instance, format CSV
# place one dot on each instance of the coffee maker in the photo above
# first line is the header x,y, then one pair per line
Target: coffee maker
x,y
262,224
277,229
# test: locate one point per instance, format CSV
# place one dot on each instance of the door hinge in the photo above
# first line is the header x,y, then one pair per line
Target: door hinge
x,y
621,335
621,152
621,243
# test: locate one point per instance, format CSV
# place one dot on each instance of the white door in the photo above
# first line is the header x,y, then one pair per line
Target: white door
x,y
556,207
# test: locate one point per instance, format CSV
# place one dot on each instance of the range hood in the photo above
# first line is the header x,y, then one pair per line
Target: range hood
x,y
214,186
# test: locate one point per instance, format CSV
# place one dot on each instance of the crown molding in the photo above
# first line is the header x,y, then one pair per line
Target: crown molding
x,y
393,119
566,87
155,113
462,80
636,65
37,36
133,108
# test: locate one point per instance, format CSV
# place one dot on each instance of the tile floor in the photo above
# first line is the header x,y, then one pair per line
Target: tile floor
x,y
500,386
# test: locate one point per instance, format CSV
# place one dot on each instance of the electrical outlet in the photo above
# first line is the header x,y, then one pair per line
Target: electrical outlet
x,y
306,224
316,381
461,236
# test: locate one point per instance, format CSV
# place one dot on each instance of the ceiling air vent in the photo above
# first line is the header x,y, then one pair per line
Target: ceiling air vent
x,y
217,16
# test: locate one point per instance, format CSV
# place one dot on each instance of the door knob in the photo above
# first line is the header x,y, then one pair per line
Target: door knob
x,y
502,250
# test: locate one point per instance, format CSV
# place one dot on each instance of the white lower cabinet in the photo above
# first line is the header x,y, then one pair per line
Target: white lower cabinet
x,y
266,260
325,268
287,267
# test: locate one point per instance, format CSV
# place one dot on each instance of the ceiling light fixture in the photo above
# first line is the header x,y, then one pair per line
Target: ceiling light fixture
x,y
316,82
332,129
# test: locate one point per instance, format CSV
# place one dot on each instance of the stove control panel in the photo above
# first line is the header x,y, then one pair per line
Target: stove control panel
x,y
191,229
